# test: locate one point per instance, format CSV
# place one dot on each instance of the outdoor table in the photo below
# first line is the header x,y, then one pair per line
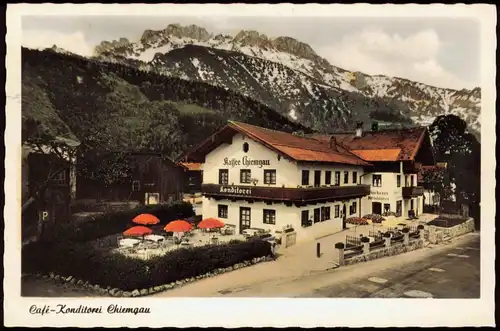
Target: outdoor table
x,y
252,231
154,237
129,242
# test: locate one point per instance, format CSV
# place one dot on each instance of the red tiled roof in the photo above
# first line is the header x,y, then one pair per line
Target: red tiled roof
x,y
191,166
346,148
298,147
380,155
406,140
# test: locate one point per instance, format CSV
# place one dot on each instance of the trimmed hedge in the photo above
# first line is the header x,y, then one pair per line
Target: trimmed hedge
x,y
116,222
84,262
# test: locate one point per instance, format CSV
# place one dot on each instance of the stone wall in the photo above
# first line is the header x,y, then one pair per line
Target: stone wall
x,y
460,229
390,251
438,235
431,234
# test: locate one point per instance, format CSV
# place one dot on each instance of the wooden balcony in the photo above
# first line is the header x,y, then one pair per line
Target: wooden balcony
x,y
412,191
412,167
293,195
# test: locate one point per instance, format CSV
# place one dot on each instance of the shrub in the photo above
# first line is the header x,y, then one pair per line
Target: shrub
x,y
339,245
116,222
357,221
84,262
376,218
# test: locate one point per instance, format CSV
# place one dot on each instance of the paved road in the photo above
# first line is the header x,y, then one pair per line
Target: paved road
x,y
451,276
453,273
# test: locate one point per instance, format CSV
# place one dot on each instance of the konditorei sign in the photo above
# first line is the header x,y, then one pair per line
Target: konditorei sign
x,y
236,190
245,161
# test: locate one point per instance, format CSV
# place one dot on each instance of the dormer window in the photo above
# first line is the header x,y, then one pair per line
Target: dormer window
x,y
245,147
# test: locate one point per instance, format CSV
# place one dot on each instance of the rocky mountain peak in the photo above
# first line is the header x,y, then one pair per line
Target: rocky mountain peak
x,y
190,31
220,37
252,38
297,84
149,36
106,46
295,47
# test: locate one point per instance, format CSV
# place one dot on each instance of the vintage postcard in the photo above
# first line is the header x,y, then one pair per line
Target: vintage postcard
x,y
250,165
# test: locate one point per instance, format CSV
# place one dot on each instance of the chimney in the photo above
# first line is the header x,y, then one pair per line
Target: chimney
x,y
374,126
333,143
359,129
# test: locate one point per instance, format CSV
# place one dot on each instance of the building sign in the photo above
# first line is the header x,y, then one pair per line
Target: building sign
x,y
245,161
378,195
236,190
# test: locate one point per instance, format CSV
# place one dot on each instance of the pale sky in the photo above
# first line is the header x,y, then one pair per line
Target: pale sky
x,y
443,52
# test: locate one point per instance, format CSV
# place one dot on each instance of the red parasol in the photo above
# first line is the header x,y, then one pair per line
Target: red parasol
x,y
178,226
210,223
146,219
138,231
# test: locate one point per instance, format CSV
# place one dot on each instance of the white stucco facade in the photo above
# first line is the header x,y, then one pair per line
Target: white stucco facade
x,y
285,216
289,174
232,167
386,193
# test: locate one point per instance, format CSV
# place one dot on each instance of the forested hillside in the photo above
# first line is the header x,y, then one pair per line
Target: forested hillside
x,y
111,106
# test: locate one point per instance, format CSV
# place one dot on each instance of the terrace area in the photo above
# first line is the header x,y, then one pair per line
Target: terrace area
x,y
159,244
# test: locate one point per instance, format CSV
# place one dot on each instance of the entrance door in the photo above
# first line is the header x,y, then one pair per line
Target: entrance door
x,y
399,208
244,218
344,216
377,208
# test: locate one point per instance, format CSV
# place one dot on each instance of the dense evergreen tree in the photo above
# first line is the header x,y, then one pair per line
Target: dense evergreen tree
x,y
454,144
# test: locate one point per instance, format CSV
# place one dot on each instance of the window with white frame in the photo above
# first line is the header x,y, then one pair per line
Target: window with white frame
x,y
269,216
270,177
377,180
136,186
337,178
222,211
317,215
325,213
245,176
328,177
353,208
223,176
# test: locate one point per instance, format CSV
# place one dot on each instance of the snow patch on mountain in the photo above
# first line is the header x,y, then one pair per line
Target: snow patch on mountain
x,y
297,69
